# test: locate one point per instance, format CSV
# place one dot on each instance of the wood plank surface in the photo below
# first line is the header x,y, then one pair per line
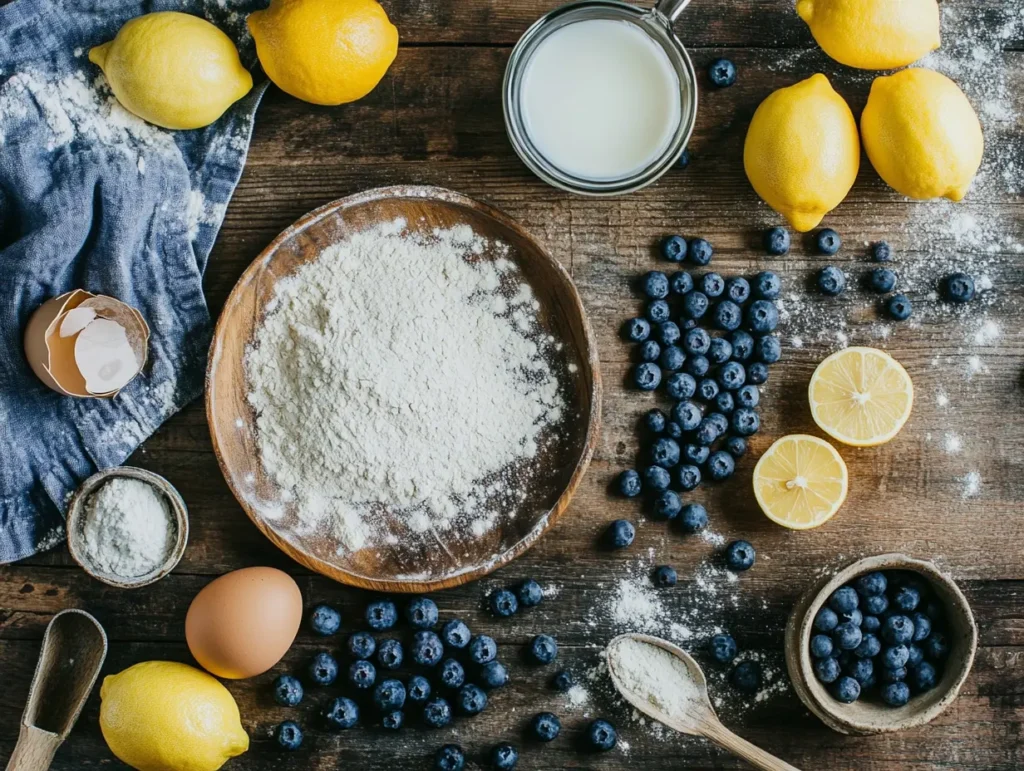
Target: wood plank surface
x,y
436,119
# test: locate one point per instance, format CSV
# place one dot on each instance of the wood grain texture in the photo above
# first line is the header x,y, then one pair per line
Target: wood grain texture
x,y
436,119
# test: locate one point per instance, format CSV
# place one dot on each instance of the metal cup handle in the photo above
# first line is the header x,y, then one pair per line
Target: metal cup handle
x,y
671,9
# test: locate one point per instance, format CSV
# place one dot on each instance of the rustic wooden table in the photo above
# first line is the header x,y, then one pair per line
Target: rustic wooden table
x,y
436,119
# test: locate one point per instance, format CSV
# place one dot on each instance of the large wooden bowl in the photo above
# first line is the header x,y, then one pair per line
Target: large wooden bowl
x,y
414,562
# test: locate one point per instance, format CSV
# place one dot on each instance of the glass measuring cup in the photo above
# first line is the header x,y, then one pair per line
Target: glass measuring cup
x,y
656,24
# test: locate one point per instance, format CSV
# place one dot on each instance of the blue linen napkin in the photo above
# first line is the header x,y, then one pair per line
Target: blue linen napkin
x,y
93,198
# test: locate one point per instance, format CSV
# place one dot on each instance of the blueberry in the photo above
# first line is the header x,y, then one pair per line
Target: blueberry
x,y
896,694
696,341
895,656
881,252
687,414
647,376
746,676
427,648
915,657
482,649
665,452
936,647
827,670
922,626
325,621
693,518
871,585
288,735
870,646
543,649
658,311
821,646
748,396
688,477
655,285
389,695
665,576
437,713
707,389
636,330
899,307
727,316
680,386
767,285
736,446
720,350
503,603
828,241
876,604
776,241
698,366
745,422
450,758
737,289
667,505
493,675
471,699
768,349
844,599
563,681
723,648
456,634
923,677
722,73
892,675
934,610
656,478
529,593
341,713
654,421
545,726
762,318
699,251
601,735
668,333
649,350
504,757
381,615
862,670
707,432
831,281
721,466
390,654
826,620
393,721
732,375
672,359
712,284
854,615
906,598
740,555
725,402
418,689
629,483
421,613
897,630
846,690
362,674
681,283
361,645
695,305
847,636
673,248
323,669
742,345
958,288
871,623
684,159
287,691
882,280
757,373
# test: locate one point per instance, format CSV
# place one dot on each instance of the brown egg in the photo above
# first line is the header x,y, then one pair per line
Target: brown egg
x,y
243,623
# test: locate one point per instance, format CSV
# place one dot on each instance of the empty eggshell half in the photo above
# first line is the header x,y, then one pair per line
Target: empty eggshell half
x,y
86,345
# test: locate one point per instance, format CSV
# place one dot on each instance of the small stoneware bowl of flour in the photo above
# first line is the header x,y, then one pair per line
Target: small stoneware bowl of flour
x,y
127,527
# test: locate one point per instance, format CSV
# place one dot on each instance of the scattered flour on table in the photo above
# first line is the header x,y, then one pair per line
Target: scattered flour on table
x,y
970,484
128,529
402,372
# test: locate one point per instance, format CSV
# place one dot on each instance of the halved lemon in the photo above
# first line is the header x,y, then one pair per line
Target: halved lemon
x,y
861,396
800,482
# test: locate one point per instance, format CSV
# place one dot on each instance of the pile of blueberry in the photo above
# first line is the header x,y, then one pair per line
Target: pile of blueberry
x,y
712,376
883,632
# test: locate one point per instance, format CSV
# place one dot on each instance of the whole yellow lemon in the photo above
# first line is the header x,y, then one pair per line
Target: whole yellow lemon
x,y
802,152
325,51
922,135
873,34
165,716
172,69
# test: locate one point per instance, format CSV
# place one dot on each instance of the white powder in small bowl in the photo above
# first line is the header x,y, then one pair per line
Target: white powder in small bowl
x,y
129,528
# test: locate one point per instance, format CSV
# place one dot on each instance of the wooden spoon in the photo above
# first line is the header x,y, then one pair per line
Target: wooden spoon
x,y
74,648
701,719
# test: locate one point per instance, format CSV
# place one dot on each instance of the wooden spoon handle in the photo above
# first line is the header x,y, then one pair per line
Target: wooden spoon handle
x,y
34,751
741,748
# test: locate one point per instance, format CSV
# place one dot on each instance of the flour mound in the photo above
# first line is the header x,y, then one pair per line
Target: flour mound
x,y
405,372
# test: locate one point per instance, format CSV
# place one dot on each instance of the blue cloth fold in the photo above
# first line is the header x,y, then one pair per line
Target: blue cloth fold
x,y
93,198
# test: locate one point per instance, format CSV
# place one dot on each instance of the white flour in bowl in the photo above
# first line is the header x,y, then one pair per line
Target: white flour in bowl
x,y
402,372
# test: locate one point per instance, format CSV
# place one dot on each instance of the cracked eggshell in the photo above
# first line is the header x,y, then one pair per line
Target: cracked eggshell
x,y
65,359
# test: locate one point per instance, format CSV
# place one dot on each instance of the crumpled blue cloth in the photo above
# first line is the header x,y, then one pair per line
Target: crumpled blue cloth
x,y
93,198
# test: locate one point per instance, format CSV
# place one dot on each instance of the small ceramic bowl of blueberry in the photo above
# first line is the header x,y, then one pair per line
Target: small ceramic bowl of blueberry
x,y
883,645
